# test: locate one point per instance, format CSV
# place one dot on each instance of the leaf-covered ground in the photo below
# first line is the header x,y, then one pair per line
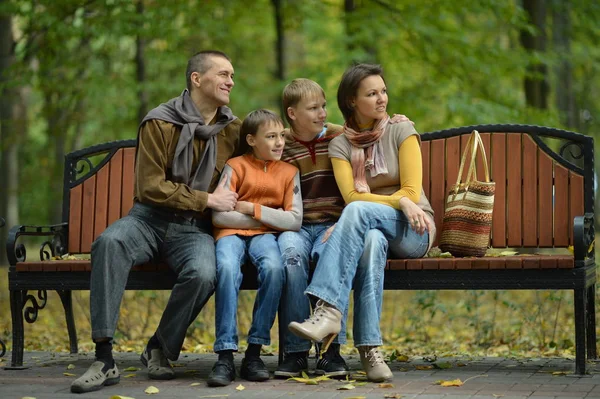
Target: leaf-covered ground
x,y
425,323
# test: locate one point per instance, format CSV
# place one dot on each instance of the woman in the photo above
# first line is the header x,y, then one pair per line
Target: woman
x,y
378,169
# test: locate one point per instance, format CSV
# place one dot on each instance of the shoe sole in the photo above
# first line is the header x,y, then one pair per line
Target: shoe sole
x,y
106,383
333,373
160,377
218,383
289,374
255,378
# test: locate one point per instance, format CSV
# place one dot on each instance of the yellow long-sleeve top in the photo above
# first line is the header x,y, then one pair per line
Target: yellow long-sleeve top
x,y
401,144
274,189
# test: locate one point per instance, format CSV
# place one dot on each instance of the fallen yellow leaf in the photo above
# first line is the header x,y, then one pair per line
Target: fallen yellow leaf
x,y
452,383
240,387
346,387
131,369
27,397
71,367
129,376
386,385
151,390
392,395
194,384
69,374
121,397
423,367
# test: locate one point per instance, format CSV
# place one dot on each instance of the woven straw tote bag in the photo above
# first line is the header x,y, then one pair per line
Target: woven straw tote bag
x,y
468,217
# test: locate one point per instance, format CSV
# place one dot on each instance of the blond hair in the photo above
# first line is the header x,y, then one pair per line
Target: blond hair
x,y
296,90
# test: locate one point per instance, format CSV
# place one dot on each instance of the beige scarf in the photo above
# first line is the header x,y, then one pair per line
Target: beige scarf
x,y
367,153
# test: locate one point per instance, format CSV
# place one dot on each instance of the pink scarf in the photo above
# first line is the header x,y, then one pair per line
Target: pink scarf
x,y
367,153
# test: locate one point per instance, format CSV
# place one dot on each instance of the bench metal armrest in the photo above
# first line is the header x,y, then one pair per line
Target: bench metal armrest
x,y
583,238
55,245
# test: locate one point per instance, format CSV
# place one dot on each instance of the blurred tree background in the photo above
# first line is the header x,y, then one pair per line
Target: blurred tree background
x,y
77,73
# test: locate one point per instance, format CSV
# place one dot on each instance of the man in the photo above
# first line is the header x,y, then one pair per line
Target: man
x,y
182,148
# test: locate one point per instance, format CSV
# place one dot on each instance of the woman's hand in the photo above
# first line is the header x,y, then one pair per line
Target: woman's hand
x,y
245,207
397,118
419,222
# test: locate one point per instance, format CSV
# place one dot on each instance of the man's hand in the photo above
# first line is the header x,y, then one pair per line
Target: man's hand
x,y
222,199
397,118
245,207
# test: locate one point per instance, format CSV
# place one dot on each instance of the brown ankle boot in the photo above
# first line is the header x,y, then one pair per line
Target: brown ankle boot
x,y
373,364
323,325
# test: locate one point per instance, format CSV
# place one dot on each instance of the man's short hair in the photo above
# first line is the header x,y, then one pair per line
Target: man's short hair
x,y
200,62
296,90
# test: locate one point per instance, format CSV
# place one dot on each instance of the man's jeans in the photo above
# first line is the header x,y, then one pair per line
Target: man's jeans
x,y
297,249
337,267
232,252
148,234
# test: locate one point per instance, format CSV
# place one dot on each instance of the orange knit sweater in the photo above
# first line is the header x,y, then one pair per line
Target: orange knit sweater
x,y
274,189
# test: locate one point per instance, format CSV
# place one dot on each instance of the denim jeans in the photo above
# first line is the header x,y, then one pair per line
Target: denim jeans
x,y
337,268
147,234
263,252
297,249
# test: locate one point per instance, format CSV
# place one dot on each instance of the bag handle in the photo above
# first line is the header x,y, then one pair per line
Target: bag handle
x,y
473,145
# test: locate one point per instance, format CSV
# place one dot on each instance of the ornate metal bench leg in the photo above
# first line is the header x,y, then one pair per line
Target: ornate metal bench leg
x,y
67,301
17,302
580,333
591,323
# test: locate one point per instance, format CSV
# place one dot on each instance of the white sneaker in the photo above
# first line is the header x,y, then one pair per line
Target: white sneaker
x,y
94,379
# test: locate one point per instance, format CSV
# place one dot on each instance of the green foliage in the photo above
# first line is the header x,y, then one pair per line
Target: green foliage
x,y
460,65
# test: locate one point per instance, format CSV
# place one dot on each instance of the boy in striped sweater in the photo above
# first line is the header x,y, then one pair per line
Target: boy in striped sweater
x,y
306,148
268,202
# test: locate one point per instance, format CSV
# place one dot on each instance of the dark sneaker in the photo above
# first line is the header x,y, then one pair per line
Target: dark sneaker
x,y
332,364
95,378
293,365
222,374
158,365
253,369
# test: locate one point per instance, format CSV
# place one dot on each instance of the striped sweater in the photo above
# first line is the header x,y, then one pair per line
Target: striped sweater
x,y
274,189
321,198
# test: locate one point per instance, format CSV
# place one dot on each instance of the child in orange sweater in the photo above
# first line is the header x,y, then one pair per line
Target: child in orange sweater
x,y
269,201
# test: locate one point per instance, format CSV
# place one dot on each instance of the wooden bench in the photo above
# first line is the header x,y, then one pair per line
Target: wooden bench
x,y
544,199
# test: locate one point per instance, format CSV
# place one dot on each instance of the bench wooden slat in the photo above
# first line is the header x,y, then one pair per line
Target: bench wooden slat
x,y
438,192
75,201
488,262
452,162
88,214
100,221
530,203
561,206
425,153
114,187
498,170
513,191
485,138
128,176
576,200
545,199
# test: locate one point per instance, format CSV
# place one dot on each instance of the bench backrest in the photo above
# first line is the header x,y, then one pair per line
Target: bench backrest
x,y
538,192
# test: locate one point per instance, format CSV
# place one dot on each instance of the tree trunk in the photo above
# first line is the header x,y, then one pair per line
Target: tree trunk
x,y
140,64
565,98
279,47
359,49
9,117
536,78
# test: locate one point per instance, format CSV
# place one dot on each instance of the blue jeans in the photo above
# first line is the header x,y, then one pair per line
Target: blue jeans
x,y
338,268
297,249
148,234
232,252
